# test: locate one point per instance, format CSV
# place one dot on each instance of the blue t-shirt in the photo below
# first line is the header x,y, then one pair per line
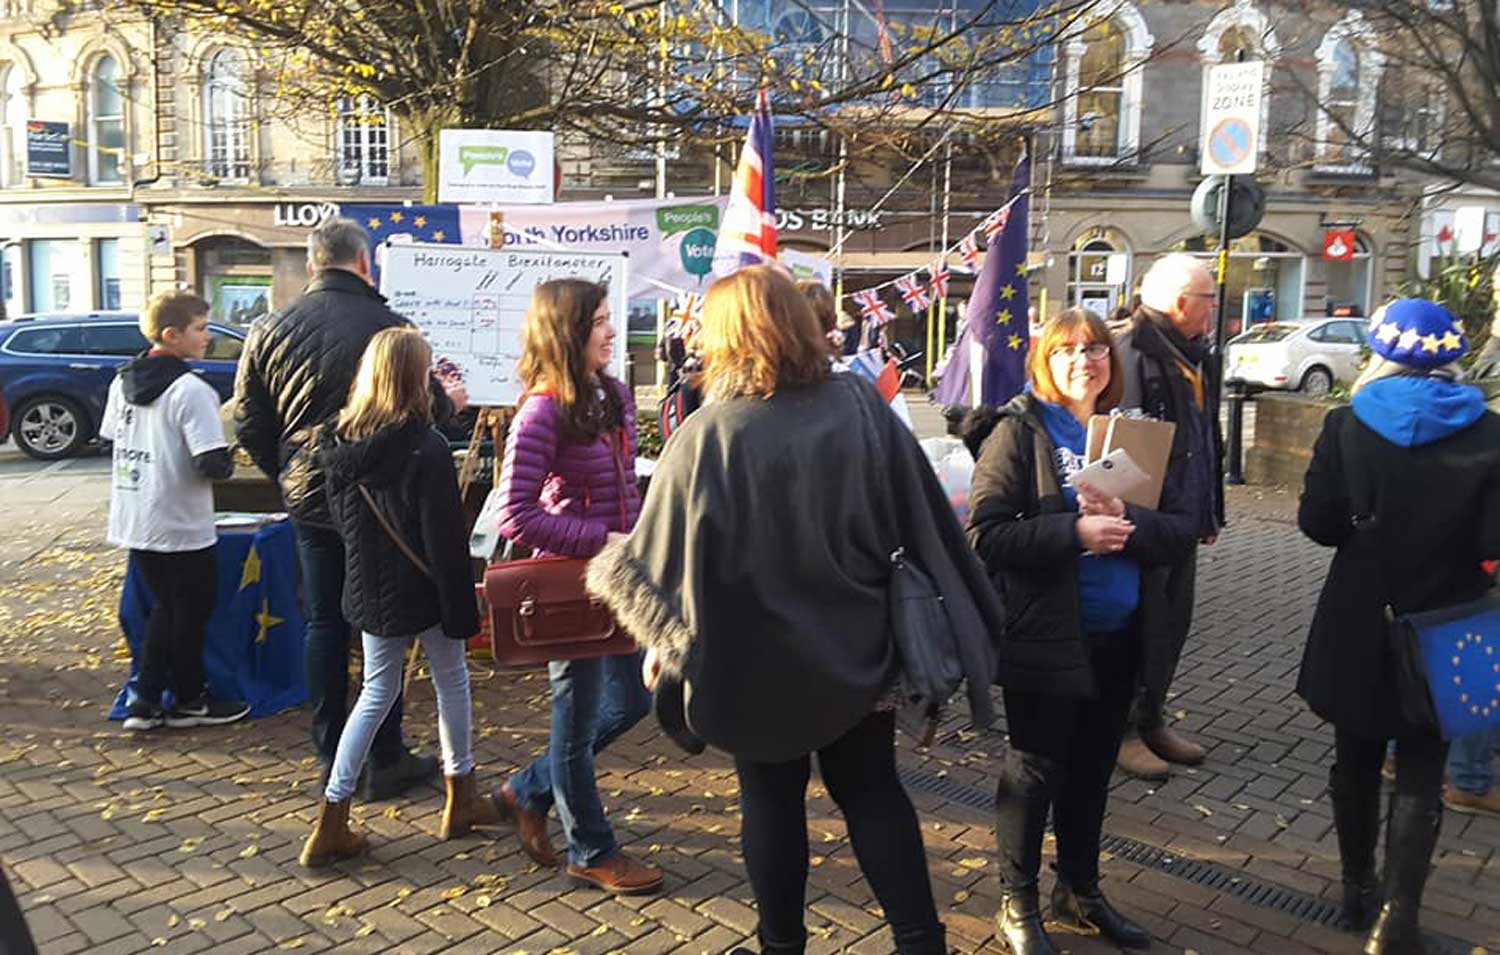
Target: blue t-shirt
x,y
1109,588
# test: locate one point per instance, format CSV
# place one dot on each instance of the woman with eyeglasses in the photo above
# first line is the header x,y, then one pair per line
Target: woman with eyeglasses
x,y
1069,565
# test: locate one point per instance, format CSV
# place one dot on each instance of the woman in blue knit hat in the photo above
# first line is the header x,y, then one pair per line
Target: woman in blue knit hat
x,y
1405,482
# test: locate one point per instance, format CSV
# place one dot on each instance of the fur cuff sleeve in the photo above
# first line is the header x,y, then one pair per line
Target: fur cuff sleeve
x,y
639,606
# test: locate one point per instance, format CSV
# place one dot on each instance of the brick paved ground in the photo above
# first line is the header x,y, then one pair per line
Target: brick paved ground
x,y
188,841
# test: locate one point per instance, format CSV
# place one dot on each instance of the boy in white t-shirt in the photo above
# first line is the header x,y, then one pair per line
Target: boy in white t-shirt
x,y
169,447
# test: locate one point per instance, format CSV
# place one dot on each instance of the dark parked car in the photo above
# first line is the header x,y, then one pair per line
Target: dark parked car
x,y
55,372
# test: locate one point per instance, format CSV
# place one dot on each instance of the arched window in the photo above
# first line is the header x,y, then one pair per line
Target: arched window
x,y
106,151
226,122
363,135
1099,272
1243,29
1102,107
12,126
1348,79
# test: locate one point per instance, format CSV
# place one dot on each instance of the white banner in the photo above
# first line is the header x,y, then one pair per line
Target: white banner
x,y
495,165
670,242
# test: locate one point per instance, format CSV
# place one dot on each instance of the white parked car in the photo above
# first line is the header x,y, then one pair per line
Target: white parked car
x,y
1308,355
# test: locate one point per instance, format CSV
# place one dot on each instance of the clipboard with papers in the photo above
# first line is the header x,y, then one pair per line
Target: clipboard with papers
x,y
1148,443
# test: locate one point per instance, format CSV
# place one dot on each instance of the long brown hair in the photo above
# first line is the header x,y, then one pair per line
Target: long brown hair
x,y
1061,330
759,334
391,386
559,322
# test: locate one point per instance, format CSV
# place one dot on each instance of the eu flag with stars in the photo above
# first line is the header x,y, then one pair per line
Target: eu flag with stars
x,y
1460,648
998,306
385,221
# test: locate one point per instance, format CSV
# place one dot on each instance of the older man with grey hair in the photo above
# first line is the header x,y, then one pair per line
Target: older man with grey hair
x,y
1171,374
294,375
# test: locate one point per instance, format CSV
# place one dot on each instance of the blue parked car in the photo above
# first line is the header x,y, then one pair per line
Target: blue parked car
x,y
55,372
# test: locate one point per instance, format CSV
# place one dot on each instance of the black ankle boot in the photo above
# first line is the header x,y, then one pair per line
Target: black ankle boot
x,y
1411,834
1018,924
1086,911
1356,818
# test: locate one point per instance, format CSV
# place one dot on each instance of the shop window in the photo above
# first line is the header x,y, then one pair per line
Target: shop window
x,y
106,148
363,137
52,267
1102,108
226,125
1265,280
1099,273
12,127
1348,281
107,272
10,278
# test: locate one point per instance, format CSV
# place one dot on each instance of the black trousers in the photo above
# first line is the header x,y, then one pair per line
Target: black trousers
x,y
1161,649
1062,751
1421,759
184,588
859,769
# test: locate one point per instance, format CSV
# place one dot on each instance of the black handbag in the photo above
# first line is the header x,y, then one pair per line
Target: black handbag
x,y
926,645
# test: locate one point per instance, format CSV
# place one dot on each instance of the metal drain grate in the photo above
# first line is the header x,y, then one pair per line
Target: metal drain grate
x,y
1232,882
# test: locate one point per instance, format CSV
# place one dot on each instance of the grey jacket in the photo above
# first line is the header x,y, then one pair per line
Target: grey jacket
x,y
759,568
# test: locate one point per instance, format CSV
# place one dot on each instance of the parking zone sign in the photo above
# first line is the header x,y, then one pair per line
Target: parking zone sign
x,y
1231,119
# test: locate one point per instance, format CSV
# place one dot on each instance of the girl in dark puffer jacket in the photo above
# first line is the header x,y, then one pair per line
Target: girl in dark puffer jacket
x,y
394,495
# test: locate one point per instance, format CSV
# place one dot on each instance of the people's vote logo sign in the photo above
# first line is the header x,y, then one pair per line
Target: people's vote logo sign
x,y
1338,245
495,166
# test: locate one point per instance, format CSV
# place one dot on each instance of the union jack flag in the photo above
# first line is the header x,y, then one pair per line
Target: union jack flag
x,y
937,283
871,306
912,293
995,223
686,315
969,250
747,235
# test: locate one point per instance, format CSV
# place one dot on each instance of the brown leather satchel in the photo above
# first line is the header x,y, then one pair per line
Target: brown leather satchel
x,y
539,611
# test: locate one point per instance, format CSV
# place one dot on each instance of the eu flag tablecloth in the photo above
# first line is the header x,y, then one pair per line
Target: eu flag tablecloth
x,y
253,649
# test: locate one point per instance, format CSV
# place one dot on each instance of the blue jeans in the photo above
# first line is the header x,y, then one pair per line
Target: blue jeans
x,y
1471,762
385,665
593,703
320,551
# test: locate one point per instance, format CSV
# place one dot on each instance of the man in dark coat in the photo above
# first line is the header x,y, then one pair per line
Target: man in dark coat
x,y
1171,374
294,375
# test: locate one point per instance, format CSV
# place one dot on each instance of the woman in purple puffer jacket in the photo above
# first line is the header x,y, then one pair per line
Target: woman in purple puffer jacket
x,y
567,486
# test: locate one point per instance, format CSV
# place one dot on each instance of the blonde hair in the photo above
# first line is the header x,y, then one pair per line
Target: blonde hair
x,y
554,343
1061,330
391,386
759,334
171,310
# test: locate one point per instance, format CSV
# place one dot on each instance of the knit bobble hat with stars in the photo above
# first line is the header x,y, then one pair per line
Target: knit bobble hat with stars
x,y
1418,334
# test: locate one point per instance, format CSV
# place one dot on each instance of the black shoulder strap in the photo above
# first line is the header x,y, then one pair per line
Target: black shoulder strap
x,y
1356,478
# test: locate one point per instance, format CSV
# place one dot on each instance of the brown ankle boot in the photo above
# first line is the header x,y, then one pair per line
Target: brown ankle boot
x,y
466,807
1172,746
1137,759
530,826
331,838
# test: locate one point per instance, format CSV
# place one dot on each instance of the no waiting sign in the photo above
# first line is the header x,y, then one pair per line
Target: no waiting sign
x,y
1231,119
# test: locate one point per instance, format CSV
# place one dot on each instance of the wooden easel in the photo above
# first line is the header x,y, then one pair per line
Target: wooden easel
x,y
494,420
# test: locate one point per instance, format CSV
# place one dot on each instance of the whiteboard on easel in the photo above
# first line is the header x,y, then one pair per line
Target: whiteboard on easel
x,y
471,304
